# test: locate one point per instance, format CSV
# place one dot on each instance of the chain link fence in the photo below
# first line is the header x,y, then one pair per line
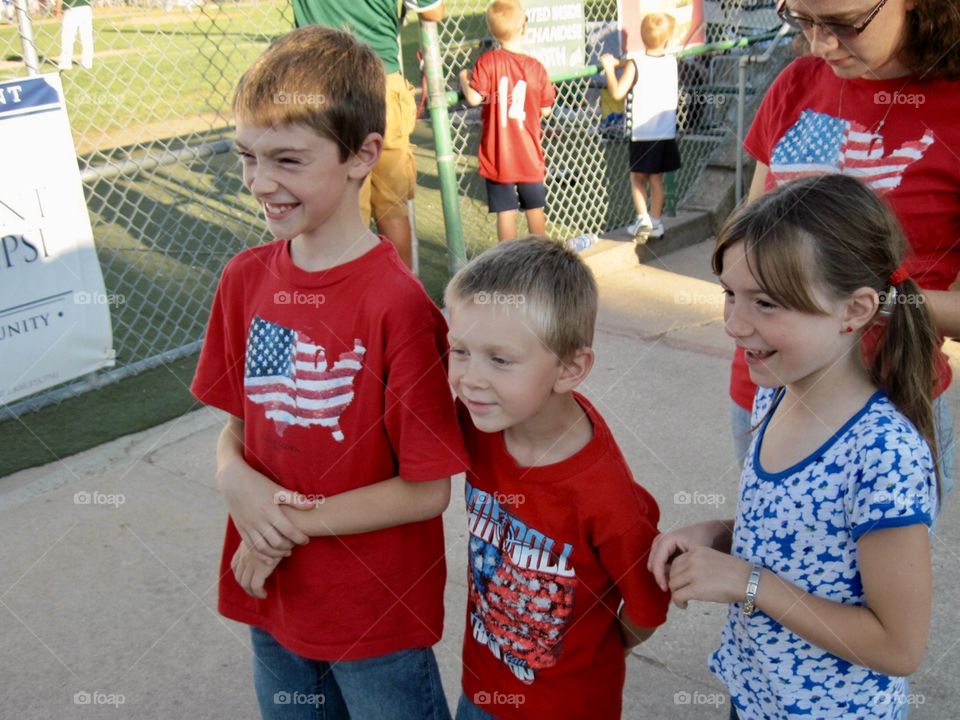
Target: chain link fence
x,y
152,126
588,188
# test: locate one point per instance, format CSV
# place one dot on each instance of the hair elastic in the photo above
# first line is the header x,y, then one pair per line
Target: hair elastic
x,y
899,275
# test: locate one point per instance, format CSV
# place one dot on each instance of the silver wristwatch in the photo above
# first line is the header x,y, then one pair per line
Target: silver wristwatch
x,y
752,584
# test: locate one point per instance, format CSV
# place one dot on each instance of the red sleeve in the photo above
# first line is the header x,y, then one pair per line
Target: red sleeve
x,y
548,94
765,130
625,559
419,411
482,80
218,380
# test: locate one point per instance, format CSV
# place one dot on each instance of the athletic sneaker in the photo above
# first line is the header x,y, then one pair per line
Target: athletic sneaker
x,y
656,230
641,226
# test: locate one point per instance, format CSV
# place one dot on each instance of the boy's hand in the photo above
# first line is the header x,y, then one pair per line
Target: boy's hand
x,y
251,572
464,75
608,61
249,496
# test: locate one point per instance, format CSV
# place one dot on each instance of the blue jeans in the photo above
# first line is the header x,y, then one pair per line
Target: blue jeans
x,y
404,685
466,710
942,422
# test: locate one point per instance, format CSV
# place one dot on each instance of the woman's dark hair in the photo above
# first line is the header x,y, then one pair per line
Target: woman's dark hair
x,y
932,47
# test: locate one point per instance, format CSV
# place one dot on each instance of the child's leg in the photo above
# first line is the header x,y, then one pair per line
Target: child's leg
x,y
657,196
506,225
404,685
290,687
638,187
533,200
536,221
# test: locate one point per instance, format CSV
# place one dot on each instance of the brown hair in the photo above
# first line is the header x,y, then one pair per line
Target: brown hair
x,y
854,241
656,29
547,282
932,47
505,19
318,77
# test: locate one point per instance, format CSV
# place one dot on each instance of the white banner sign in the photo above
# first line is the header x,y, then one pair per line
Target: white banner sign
x,y
54,310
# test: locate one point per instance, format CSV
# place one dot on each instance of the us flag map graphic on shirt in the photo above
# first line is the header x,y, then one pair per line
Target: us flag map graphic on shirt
x,y
288,374
521,587
820,144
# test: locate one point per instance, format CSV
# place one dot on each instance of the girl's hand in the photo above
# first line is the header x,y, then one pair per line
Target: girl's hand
x,y
667,546
608,61
703,573
251,572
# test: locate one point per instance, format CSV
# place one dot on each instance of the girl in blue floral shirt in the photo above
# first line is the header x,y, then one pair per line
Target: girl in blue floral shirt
x,y
827,565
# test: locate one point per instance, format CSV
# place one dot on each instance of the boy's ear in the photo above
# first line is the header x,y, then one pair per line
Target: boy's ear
x,y
574,370
861,307
363,160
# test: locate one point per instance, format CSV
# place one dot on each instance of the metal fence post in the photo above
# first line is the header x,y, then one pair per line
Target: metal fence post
x,y
30,58
440,119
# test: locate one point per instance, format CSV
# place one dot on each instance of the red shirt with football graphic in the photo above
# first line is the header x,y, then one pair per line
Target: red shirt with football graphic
x,y
552,552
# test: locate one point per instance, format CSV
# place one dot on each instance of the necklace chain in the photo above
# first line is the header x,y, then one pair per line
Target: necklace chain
x,y
875,129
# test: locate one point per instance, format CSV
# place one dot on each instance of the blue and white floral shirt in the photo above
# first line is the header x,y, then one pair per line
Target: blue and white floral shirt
x,y
803,525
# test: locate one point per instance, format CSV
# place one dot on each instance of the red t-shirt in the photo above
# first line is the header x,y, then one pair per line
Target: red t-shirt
x,y
552,552
339,378
515,88
909,156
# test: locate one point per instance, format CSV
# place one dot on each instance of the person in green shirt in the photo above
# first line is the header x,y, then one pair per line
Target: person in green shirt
x,y
377,23
77,17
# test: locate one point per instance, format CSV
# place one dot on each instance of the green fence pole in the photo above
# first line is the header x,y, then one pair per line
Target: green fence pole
x,y
449,195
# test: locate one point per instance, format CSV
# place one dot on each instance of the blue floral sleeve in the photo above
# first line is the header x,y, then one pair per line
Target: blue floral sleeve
x,y
895,483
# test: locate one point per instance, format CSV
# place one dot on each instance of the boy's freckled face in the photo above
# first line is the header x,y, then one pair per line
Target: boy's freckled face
x,y
295,174
499,367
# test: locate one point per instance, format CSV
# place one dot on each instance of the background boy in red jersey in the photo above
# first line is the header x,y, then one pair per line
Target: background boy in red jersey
x,y
515,92
327,354
559,531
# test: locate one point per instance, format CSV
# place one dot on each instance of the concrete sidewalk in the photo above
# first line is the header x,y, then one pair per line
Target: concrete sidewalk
x,y
109,558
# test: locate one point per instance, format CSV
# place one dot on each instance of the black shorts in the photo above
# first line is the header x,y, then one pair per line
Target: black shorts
x,y
503,196
653,157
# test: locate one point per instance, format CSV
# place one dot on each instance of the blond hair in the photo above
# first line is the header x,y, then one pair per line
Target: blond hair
x,y
505,19
656,29
550,284
318,77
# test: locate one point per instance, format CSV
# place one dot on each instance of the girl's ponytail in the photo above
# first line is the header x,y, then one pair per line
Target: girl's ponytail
x,y
904,359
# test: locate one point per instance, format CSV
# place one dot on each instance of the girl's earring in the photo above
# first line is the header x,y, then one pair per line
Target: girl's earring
x,y
848,329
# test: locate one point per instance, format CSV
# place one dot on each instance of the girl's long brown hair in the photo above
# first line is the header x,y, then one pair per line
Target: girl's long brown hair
x,y
834,231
